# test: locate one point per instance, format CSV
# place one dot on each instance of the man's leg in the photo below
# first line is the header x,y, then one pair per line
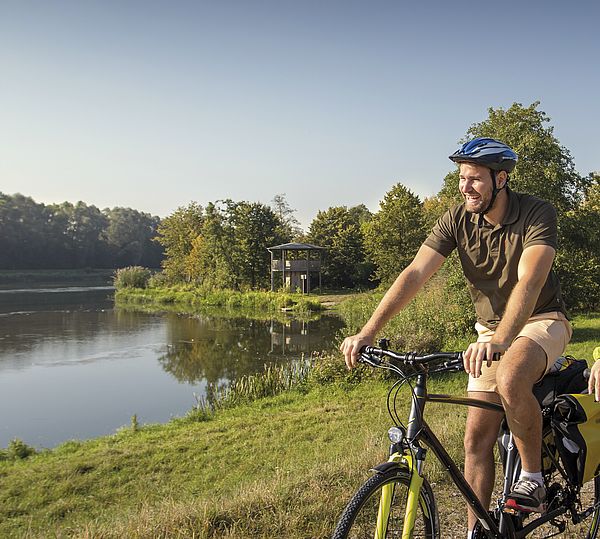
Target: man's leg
x,y
481,433
522,365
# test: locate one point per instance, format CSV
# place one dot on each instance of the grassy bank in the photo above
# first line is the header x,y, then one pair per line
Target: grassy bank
x,y
280,466
189,299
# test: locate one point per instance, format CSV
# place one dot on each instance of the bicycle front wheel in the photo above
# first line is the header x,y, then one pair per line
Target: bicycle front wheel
x,y
385,496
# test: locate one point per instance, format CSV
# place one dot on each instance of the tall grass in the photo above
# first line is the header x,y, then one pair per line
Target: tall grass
x,y
190,298
273,380
131,277
435,320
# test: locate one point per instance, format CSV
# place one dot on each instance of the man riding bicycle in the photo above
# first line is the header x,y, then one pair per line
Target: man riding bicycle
x,y
506,243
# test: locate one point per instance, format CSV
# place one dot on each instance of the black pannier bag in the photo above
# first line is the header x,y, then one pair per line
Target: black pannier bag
x,y
566,376
576,425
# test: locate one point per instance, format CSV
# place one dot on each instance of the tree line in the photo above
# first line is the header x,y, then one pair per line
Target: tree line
x,y
66,236
224,244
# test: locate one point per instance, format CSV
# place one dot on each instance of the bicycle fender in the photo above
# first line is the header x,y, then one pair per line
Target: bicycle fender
x,y
385,467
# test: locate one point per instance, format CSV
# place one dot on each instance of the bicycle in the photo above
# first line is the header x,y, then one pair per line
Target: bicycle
x,y
398,501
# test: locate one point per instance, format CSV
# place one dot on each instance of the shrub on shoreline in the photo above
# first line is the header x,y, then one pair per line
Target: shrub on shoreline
x,y
132,277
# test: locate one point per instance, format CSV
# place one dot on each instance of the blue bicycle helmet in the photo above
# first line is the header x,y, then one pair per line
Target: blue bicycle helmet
x,y
490,153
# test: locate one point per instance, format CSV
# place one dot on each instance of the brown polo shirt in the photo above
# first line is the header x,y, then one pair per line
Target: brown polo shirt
x,y
490,254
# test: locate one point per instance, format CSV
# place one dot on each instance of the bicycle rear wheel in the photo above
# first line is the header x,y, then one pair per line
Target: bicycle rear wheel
x,y
586,529
590,527
359,518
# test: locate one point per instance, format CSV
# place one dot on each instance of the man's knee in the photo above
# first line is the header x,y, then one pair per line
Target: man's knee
x,y
478,446
510,385
481,433
521,367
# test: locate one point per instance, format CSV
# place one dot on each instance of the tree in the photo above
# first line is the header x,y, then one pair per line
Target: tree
x,y
211,260
128,236
256,227
230,250
176,234
360,214
290,225
591,201
579,255
339,231
84,230
22,232
394,234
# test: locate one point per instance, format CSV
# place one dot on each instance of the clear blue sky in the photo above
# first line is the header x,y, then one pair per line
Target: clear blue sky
x,y
152,104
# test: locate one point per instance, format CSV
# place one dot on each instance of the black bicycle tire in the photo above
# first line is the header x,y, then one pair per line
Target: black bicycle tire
x,y
595,523
370,487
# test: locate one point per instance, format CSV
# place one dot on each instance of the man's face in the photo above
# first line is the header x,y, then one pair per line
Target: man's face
x,y
475,186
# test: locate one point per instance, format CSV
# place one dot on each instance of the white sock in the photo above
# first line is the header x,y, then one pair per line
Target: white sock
x,y
532,476
470,534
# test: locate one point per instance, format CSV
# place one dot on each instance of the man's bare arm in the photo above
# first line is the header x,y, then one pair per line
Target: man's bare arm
x,y
426,262
534,266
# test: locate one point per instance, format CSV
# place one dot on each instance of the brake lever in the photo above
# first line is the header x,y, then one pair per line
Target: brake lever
x,y
369,359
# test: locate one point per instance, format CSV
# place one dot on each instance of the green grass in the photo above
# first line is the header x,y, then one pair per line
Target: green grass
x,y
190,299
279,466
586,335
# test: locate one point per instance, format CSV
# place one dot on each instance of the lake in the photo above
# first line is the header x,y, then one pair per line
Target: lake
x,y
74,367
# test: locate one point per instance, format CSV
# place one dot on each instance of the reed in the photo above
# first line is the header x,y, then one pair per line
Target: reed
x,y
272,381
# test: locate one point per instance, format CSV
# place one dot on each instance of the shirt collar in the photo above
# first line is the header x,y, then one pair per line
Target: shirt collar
x,y
512,213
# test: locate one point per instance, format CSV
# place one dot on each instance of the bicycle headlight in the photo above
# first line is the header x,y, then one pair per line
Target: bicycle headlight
x,y
396,435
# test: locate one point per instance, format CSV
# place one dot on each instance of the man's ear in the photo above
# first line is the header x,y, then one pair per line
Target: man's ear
x,y
501,179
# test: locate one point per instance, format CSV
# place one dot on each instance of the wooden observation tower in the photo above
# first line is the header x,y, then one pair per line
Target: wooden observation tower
x,y
297,269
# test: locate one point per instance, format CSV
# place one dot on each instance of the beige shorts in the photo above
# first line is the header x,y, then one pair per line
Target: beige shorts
x,y
552,331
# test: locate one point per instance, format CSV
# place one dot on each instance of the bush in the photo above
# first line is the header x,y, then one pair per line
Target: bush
x,y
158,280
132,277
18,450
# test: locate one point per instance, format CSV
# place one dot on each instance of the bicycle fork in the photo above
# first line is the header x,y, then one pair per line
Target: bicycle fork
x,y
412,502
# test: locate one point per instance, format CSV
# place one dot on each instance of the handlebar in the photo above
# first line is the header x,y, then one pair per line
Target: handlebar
x,y
451,360
409,358
372,355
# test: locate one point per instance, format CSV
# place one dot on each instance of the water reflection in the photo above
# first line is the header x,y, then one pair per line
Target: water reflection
x,y
215,348
86,367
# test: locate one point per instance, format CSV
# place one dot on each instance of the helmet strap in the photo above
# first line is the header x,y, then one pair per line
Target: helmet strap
x,y
495,192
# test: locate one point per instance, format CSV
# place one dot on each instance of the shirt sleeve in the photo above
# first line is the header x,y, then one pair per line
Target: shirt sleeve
x,y
541,226
442,238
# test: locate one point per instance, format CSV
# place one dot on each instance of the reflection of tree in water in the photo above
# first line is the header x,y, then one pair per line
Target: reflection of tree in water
x,y
216,349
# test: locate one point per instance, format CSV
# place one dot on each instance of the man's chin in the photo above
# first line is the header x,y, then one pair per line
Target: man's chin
x,y
474,209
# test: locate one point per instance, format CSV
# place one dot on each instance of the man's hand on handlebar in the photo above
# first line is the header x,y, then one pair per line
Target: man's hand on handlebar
x,y
479,352
351,346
